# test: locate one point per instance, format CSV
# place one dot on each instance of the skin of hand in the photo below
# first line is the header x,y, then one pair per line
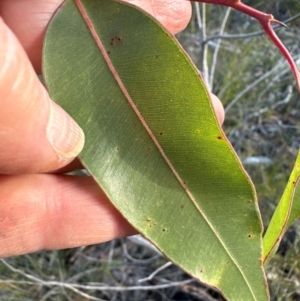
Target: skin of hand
x,y
40,208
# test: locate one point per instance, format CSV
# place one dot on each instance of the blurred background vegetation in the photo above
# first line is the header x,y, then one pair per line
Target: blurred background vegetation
x,y
262,106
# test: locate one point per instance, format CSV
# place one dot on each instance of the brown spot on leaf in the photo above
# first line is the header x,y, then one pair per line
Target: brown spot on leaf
x,y
115,40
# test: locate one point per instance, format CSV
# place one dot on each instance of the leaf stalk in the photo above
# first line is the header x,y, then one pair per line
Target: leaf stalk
x,y
266,21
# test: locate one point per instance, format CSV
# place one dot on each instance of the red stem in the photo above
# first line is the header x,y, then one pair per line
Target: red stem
x,y
265,20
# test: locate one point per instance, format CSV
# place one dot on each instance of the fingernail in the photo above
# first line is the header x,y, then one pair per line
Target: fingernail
x,y
65,136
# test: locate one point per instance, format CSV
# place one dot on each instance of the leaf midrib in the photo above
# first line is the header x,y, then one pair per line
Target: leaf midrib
x,y
149,131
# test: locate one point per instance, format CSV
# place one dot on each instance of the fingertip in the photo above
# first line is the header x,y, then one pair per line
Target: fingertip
x,y
173,14
36,134
218,107
64,135
55,212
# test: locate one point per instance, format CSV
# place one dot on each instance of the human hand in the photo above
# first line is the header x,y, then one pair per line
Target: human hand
x,y
40,208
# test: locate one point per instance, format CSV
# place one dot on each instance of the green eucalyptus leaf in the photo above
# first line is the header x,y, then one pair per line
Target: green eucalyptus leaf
x,y
286,213
153,142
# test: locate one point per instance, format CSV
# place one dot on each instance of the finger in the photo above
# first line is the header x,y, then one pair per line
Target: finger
x,y
173,14
36,135
219,109
29,18
54,212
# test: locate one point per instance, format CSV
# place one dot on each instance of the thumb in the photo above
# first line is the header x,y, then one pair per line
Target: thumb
x,y
36,135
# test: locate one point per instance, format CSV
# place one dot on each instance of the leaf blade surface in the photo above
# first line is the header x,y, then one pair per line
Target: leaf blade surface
x,y
178,181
